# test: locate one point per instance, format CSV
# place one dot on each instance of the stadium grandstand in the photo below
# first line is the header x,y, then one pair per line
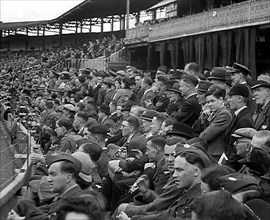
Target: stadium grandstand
x,y
137,109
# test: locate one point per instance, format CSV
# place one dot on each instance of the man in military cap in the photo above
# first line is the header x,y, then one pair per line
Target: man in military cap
x,y
239,75
63,170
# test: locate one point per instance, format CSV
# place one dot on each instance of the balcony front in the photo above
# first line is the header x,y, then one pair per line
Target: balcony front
x,y
248,13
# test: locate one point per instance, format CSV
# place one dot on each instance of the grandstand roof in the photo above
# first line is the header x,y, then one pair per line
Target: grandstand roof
x,y
88,9
14,25
103,8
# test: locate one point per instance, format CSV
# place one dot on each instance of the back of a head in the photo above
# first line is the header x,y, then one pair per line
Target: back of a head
x,y
218,205
134,122
192,68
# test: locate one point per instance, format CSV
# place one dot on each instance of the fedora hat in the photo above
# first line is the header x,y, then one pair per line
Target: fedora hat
x,y
203,86
175,88
218,73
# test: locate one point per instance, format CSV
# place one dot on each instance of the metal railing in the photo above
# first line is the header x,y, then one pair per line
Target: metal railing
x,y
19,161
100,63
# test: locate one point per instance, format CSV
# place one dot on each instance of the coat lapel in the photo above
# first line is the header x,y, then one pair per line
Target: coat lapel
x,y
262,117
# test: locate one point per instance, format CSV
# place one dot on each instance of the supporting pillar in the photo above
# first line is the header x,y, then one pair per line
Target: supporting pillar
x,y
81,25
90,26
138,15
112,22
8,41
102,25
38,30
1,35
26,42
76,32
60,35
128,10
43,38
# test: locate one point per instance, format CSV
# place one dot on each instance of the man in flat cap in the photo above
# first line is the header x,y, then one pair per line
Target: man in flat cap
x,y
243,137
238,99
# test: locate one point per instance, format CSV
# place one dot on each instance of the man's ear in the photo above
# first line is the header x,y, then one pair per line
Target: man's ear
x,y
69,177
197,172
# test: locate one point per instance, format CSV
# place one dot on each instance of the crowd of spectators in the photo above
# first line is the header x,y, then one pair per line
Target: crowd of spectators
x,y
132,144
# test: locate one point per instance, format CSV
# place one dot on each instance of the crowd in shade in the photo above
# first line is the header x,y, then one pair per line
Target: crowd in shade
x,y
133,144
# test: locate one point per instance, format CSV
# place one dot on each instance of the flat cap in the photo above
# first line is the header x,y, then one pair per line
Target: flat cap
x,y
61,156
70,107
87,166
263,80
239,89
244,133
149,115
108,81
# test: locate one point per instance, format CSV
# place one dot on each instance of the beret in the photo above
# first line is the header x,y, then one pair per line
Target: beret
x,y
238,182
180,148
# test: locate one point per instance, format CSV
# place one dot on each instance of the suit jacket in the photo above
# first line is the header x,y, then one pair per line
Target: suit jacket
x,y
46,212
242,120
161,102
189,111
214,133
262,121
170,194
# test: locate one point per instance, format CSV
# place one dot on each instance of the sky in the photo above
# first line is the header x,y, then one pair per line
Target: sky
x,y
34,10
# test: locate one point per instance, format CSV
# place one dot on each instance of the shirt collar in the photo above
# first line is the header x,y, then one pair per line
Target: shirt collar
x,y
239,110
70,188
191,95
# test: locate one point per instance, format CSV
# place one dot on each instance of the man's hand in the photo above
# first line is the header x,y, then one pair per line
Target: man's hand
x,y
12,215
36,158
123,216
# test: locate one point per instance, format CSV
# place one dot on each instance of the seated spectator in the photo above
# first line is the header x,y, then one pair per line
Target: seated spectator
x,y
217,205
